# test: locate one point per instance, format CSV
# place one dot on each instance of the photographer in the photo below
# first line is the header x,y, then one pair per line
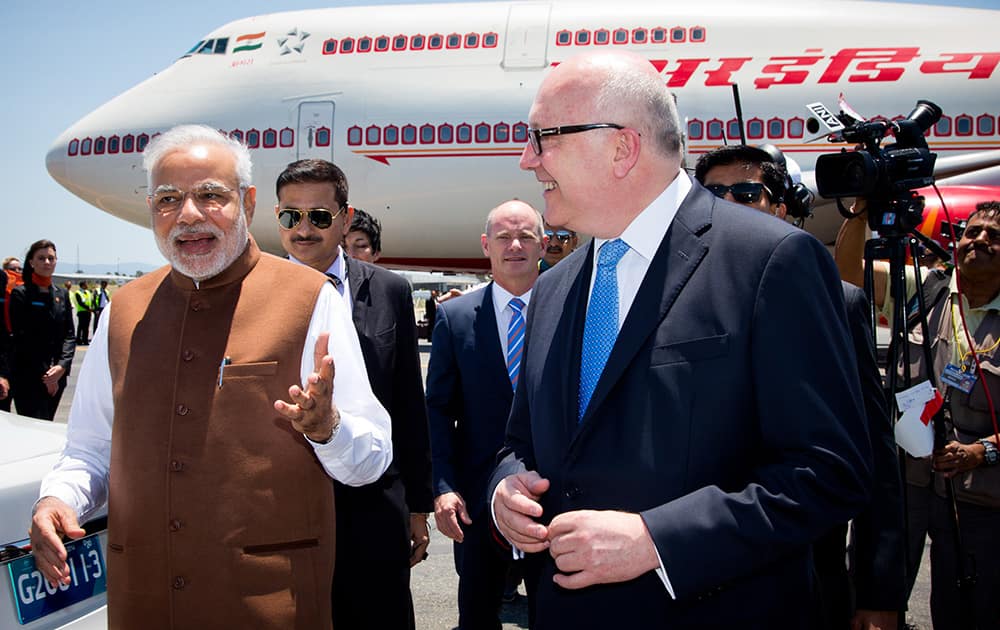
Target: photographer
x,y
758,179
970,455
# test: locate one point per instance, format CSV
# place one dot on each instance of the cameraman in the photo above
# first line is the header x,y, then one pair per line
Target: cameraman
x,y
970,456
753,177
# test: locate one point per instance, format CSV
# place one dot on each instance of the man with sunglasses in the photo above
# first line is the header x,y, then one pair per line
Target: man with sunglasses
x,y
381,527
752,177
220,396
673,446
560,243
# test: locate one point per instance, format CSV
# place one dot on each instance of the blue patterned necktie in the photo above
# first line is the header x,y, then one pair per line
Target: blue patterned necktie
x,y
515,340
601,326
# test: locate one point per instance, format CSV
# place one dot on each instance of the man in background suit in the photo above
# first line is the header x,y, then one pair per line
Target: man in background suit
x,y
382,527
871,600
675,444
475,357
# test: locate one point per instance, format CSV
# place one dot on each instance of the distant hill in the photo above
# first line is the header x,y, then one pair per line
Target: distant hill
x,y
124,268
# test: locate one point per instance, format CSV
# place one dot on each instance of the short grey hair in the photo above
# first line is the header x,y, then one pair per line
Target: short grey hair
x,y
183,136
644,101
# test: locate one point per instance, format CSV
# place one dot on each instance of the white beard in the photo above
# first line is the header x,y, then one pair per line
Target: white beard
x,y
204,266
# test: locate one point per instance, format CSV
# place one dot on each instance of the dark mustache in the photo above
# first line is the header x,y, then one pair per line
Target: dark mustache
x,y
305,239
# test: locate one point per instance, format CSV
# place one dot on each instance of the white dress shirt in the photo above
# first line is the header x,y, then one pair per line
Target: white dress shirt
x,y
338,268
504,313
358,454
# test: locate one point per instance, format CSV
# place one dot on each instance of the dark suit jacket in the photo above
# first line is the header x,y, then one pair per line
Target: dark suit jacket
x,y
468,396
383,317
735,430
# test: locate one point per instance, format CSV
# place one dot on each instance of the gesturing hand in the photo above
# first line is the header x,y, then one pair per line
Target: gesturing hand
x,y
51,520
312,411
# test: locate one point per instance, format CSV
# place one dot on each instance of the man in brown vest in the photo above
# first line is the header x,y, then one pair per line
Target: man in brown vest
x,y
190,421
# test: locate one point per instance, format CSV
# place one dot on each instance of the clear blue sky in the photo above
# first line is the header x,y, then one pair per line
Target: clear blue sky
x,y
65,58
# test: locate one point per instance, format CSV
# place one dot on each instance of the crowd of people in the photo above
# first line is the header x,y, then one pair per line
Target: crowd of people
x,y
679,423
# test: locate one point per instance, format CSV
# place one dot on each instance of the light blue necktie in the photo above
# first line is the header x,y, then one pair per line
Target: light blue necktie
x,y
515,340
601,326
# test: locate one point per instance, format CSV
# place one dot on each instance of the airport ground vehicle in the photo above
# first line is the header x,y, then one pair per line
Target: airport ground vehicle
x,y
30,447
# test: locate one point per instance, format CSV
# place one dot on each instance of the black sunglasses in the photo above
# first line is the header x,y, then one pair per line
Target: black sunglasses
x,y
289,218
563,235
744,192
535,135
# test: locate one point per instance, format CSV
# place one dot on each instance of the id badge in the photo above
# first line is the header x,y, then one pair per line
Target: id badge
x,y
955,377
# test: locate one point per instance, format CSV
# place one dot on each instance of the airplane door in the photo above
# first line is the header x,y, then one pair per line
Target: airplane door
x,y
527,36
316,130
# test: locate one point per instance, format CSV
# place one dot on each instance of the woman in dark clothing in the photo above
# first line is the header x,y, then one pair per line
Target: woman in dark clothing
x,y
41,318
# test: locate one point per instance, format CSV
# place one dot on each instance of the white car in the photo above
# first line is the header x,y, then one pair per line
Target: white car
x,y
30,448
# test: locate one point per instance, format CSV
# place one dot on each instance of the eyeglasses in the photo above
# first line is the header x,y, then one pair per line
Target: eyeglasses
x,y
535,135
167,199
564,236
13,268
289,218
744,192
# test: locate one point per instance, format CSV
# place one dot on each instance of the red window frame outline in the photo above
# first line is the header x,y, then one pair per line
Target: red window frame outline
x,y
569,37
800,122
329,136
678,40
487,37
701,128
708,129
763,128
448,39
355,136
431,129
951,127
586,34
116,139
607,35
993,128
378,135
451,129
406,42
350,44
691,30
421,45
470,37
128,143
972,127
731,124
519,132
103,145
142,141
489,132
644,31
237,135
383,43
326,47
87,146
619,31
368,41
255,143
501,127
264,135
385,135
430,42
281,135
767,130
73,148
402,134
663,39
458,133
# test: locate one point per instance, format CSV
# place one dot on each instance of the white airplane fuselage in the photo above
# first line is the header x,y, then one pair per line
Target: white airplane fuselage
x,y
425,106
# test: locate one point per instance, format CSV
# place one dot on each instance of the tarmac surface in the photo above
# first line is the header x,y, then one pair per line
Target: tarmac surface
x,y
435,585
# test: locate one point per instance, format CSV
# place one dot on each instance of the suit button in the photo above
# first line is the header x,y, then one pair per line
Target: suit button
x,y
182,410
179,583
176,466
188,355
175,525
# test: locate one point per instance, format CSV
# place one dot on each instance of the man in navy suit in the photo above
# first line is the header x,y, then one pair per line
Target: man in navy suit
x,y
671,471
381,527
475,356
759,179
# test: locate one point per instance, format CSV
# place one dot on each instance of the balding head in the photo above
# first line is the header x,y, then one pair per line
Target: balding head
x,y
513,243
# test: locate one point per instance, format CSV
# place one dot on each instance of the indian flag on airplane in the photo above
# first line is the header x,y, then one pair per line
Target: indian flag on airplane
x,y
251,41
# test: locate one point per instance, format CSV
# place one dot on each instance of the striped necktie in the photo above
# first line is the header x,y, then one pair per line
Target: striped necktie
x,y
515,340
337,282
600,328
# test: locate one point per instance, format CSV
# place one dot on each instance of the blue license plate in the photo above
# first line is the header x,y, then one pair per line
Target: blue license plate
x,y
35,597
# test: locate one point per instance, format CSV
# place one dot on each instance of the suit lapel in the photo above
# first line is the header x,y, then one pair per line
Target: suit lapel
x,y
488,341
679,254
358,280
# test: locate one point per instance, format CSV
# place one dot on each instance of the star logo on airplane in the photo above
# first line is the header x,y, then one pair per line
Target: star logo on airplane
x,y
294,40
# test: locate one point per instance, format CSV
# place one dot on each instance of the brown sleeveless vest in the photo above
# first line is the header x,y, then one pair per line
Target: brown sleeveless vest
x,y
220,515
970,417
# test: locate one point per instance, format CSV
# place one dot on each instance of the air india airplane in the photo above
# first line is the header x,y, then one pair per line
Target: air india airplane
x,y
425,106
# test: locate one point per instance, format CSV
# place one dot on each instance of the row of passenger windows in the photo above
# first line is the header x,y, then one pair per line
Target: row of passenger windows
x,y
658,35
776,128
383,43
715,129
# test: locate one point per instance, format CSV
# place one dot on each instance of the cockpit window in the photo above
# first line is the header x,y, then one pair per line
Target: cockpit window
x,y
215,46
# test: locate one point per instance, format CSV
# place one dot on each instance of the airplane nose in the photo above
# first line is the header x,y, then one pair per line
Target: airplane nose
x,y
55,161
